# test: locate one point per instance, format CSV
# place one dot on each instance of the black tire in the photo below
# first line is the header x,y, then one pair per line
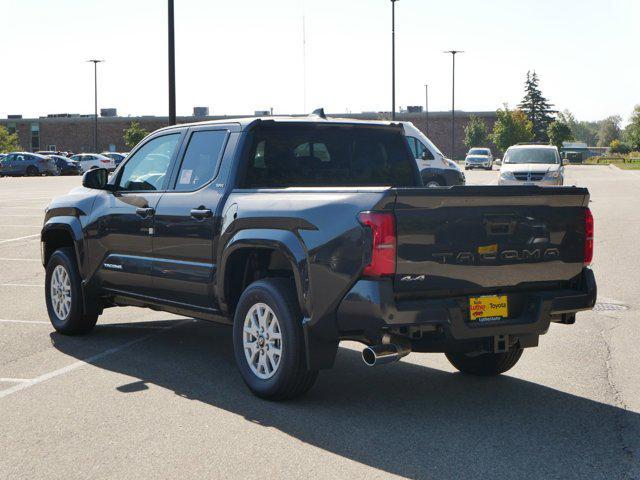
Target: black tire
x,y
291,378
432,182
485,364
31,171
76,322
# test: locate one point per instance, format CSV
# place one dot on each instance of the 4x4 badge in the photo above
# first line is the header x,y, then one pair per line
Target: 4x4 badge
x,y
413,278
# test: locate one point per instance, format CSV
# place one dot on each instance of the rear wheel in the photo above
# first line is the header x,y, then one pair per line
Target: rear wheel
x,y
268,341
485,364
63,293
32,171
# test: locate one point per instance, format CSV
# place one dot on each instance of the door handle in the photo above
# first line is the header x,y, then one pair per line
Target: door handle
x,y
145,212
201,213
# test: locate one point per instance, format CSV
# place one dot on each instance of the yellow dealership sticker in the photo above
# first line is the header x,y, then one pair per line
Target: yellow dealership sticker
x,y
488,249
488,307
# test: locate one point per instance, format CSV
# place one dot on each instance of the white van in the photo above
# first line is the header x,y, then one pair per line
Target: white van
x,y
435,169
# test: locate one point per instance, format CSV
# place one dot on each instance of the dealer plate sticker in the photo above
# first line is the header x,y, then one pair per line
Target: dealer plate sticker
x,y
488,308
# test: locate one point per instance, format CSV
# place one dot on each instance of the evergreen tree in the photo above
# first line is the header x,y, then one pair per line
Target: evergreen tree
x,y
537,108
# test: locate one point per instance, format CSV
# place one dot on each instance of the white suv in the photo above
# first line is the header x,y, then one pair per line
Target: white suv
x,y
89,161
479,158
531,165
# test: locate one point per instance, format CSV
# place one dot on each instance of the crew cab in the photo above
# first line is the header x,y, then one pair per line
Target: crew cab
x,y
303,232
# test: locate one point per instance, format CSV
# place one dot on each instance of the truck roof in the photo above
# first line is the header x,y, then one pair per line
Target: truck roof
x,y
245,122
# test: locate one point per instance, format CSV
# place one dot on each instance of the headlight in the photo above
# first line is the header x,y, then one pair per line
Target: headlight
x,y
552,175
507,175
450,163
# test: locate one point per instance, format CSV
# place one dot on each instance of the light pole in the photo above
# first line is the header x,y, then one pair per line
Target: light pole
x,y
172,67
393,59
453,100
426,108
95,102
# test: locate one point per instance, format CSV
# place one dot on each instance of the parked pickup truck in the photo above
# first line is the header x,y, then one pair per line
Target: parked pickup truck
x,y
302,232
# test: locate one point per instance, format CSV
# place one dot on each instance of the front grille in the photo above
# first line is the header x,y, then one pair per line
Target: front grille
x,y
529,176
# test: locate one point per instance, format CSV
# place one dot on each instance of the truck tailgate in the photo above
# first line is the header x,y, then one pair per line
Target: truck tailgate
x,y
474,239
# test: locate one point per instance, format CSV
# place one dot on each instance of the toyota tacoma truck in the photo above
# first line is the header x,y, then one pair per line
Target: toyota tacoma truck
x,y
302,232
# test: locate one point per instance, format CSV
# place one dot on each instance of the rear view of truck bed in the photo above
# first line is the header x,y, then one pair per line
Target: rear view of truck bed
x,y
479,239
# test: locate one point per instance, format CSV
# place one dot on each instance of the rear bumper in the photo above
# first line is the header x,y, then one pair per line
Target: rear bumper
x,y
370,309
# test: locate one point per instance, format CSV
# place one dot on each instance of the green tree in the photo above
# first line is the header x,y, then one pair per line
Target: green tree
x,y
475,133
632,132
536,107
511,127
9,142
618,147
559,132
609,130
134,134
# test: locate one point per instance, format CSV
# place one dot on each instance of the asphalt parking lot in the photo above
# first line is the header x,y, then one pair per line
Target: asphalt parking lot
x,y
152,395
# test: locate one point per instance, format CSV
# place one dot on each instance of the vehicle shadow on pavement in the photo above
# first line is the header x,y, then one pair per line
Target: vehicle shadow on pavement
x,y
403,419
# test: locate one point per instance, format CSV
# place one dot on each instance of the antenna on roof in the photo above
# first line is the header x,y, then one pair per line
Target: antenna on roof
x,y
319,112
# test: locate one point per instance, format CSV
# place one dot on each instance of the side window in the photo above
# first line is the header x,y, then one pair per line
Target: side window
x,y
422,151
200,161
147,168
412,146
315,150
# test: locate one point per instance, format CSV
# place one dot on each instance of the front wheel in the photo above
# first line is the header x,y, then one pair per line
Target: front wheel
x,y
63,293
433,182
268,341
485,364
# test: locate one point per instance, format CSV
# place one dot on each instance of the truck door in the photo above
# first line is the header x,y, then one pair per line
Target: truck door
x,y
187,222
124,217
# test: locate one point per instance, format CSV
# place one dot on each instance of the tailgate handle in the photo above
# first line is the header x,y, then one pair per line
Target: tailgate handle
x,y
500,225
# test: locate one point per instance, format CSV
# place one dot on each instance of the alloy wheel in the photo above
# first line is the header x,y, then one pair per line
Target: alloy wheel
x,y
262,341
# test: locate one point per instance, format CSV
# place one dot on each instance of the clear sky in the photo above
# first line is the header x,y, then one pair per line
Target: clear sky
x,y
237,56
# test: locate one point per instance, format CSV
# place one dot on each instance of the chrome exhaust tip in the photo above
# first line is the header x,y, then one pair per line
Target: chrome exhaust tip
x,y
384,353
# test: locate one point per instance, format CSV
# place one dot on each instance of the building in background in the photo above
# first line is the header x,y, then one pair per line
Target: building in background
x,y
74,132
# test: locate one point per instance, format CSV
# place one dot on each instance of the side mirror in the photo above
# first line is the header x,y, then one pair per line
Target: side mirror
x,y
96,178
497,161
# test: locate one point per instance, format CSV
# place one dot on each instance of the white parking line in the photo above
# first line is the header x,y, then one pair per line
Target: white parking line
x,y
80,363
6,259
20,226
26,285
14,380
19,238
24,208
10,320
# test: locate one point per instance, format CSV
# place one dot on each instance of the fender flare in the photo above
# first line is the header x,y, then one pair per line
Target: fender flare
x,y
73,227
283,241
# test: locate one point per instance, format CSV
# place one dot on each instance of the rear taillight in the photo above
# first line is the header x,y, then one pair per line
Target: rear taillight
x,y
383,252
105,161
41,161
588,236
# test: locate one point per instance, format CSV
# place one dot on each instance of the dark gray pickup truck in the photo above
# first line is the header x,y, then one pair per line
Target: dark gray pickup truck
x,y
302,232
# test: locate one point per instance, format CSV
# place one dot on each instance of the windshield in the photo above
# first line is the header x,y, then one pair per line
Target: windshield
x,y
478,151
531,155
